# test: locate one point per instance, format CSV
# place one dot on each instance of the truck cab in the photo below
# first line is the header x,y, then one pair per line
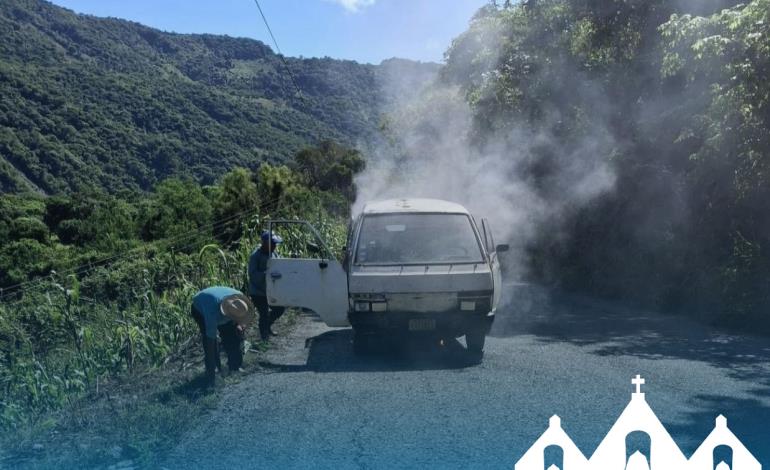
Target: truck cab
x,y
419,267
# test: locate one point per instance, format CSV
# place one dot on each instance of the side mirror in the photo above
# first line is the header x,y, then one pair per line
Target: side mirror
x,y
312,248
502,248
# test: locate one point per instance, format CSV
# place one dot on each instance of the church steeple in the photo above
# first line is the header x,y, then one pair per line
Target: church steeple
x,y
662,452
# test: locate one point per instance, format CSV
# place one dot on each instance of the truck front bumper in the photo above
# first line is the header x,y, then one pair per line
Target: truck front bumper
x,y
452,323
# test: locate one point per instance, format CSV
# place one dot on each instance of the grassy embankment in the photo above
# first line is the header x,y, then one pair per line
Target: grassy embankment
x,y
99,360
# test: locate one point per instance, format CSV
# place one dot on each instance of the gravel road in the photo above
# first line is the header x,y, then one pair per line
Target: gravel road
x,y
317,405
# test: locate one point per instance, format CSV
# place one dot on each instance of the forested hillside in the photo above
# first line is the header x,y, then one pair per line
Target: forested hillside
x,y
138,166
87,102
677,104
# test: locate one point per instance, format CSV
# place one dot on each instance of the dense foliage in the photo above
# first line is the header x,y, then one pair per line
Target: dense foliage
x,y
98,275
97,284
89,103
138,166
677,103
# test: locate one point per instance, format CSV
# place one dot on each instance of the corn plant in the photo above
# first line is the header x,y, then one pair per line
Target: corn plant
x,y
59,338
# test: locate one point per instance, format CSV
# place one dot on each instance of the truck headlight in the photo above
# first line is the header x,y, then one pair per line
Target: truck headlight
x,y
379,306
467,305
362,306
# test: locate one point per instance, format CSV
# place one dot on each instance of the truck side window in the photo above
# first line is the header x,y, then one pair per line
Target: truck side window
x,y
300,241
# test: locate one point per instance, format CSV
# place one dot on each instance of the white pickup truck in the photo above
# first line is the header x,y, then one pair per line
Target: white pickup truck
x,y
411,266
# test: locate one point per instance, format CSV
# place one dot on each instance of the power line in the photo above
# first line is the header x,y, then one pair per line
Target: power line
x,y
87,267
92,268
171,242
278,49
22,286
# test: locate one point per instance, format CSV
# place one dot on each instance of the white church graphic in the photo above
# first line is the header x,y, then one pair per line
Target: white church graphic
x,y
638,441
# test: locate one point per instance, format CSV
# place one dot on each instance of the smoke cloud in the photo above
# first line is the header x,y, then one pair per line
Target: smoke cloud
x,y
431,150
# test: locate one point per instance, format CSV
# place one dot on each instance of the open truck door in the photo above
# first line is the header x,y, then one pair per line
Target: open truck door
x,y
308,275
494,261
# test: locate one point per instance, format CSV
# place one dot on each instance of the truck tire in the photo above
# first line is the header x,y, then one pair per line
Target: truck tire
x,y
475,339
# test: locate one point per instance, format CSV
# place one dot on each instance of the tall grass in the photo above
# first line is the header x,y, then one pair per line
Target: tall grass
x,y
57,342
60,339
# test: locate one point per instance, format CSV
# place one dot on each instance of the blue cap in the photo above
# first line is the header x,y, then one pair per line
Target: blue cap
x,y
275,238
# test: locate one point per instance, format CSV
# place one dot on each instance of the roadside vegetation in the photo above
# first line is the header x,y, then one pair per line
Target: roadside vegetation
x,y
97,288
674,97
106,236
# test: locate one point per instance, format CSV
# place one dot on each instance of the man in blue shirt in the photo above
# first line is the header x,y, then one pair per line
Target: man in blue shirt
x,y
229,312
258,284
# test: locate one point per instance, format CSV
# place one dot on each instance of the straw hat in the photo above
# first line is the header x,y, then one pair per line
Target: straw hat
x,y
238,308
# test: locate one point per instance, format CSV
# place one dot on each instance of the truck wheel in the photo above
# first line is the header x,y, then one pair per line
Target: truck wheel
x,y
474,340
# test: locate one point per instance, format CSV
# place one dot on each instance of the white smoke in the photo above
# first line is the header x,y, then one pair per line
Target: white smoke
x,y
428,152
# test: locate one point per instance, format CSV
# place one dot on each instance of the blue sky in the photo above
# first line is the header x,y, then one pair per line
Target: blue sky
x,y
361,30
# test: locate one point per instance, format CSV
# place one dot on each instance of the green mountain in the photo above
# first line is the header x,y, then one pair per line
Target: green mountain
x,y
91,102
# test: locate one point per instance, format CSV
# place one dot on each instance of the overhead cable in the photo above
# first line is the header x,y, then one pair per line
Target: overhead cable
x,y
171,242
278,49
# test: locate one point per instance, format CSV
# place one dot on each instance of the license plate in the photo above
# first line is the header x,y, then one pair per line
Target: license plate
x,y
422,324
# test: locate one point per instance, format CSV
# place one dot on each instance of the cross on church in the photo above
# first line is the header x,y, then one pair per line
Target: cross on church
x,y
638,381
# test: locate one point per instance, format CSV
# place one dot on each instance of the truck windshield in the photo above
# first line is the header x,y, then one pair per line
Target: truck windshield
x,y
417,239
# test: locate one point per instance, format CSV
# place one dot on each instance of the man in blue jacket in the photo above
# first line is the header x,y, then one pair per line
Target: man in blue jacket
x,y
258,284
228,312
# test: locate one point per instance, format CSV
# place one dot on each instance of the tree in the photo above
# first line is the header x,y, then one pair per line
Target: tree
x,y
28,228
24,259
283,192
330,167
676,107
177,209
722,61
236,201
